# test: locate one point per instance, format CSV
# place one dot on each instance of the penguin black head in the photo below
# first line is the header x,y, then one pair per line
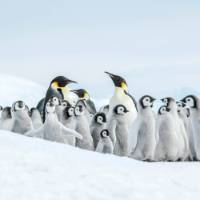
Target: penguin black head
x,y
1,108
6,112
104,133
180,106
190,101
80,108
55,100
19,105
65,103
147,101
100,118
118,81
163,109
81,93
167,100
69,112
61,81
120,110
50,107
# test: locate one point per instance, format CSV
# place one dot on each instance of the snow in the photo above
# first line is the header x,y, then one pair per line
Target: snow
x,y
37,169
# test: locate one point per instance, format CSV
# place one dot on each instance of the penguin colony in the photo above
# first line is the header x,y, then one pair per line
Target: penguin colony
x,y
124,127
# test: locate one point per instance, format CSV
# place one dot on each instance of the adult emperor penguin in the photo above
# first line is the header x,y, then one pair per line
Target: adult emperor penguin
x,y
6,119
145,125
105,144
97,125
84,95
167,148
59,88
22,122
83,127
36,118
119,130
180,128
193,102
122,97
52,129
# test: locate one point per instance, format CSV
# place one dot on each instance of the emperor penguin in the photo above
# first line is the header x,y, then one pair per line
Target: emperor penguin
x,y
36,118
52,129
193,102
180,128
184,114
6,119
83,127
22,122
167,148
59,88
84,95
105,144
97,125
145,131
122,97
119,130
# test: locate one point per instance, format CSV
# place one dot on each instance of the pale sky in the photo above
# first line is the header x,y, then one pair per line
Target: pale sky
x,y
155,45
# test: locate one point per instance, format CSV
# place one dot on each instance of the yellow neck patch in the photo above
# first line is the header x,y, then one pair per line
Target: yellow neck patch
x,y
55,85
124,86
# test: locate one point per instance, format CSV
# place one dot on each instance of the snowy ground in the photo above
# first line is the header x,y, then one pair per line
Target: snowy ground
x,y
36,169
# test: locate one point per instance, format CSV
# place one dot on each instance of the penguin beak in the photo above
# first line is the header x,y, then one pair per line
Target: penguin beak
x,y
182,100
153,99
162,100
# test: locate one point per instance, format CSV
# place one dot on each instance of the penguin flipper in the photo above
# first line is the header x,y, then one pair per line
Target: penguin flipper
x,y
36,133
69,131
133,99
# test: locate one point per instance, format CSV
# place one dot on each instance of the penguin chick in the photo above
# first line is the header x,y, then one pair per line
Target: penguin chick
x,y
52,129
167,148
22,122
105,144
60,109
193,103
68,120
145,131
36,118
184,115
119,131
83,127
180,128
98,123
6,119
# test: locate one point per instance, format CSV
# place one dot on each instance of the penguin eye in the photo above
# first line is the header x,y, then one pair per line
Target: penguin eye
x,y
147,99
64,104
55,99
188,99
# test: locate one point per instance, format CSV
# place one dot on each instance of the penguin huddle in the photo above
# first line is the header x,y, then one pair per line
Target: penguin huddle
x,y
124,127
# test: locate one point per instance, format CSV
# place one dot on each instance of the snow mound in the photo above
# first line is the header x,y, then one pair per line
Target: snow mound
x,y
36,169
13,88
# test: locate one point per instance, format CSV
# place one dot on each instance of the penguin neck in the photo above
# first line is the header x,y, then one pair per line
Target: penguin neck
x,y
146,110
65,91
119,92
